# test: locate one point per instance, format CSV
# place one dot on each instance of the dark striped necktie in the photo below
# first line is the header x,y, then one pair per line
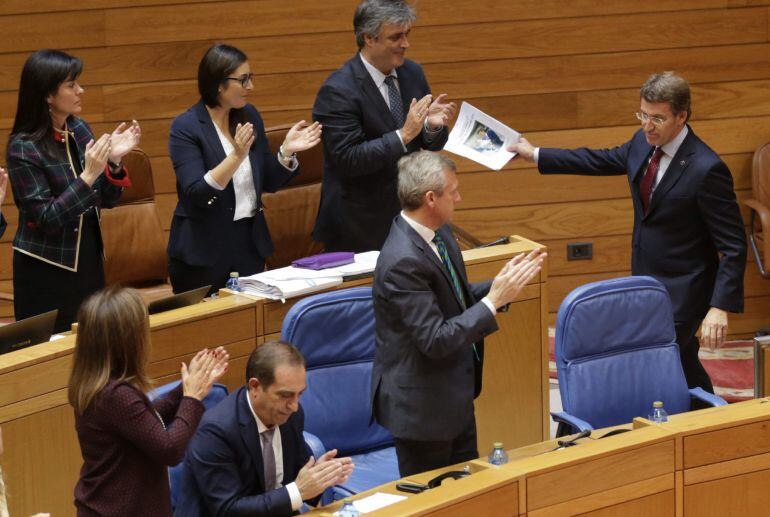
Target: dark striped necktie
x,y
394,98
444,254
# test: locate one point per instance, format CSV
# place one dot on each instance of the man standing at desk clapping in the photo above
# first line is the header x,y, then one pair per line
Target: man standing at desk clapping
x,y
374,110
431,323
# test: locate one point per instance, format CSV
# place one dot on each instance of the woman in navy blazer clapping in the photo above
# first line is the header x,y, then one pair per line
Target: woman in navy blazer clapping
x,y
218,224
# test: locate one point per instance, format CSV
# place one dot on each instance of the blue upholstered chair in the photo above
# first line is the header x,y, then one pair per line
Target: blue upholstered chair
x,y
616,354
335,333
217,394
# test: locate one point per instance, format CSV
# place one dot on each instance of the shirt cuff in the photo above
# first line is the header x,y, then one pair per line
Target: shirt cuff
x,y
293,163
119,177
208,178
294,495
536,155
401,139
429,134
489,305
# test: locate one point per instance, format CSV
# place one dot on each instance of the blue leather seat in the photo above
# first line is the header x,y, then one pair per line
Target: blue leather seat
x,y
217,394
335,333
616,354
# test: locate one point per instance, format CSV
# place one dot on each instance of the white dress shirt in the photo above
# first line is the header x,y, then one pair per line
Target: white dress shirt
x,y
669,150
379,81
427,234
296,497
246,204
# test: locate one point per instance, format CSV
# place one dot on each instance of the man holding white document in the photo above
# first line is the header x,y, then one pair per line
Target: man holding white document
x,y
688,232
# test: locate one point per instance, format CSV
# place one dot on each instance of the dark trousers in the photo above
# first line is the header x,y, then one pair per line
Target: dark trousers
x,y
40,287
238,254
688,350
415,456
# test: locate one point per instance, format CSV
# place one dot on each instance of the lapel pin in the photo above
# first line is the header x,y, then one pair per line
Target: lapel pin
x,y
682,163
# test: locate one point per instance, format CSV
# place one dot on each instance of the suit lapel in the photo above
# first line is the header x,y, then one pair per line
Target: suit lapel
x,y
250,436
209,131
367,85
425,248
285,437
676,168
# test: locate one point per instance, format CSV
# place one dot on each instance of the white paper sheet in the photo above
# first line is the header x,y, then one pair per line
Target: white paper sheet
x,y
481,138
376,501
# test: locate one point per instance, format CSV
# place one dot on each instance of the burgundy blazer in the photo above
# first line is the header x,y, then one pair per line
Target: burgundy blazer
x,y
126,450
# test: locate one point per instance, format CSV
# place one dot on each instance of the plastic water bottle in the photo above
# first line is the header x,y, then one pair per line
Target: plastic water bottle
x,y
659,414
498,455
232,283
348,510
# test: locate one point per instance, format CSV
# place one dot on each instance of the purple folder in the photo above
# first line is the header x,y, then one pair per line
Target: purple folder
x,y
325,260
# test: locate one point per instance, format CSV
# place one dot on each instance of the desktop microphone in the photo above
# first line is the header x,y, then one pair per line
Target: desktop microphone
x,y
570,443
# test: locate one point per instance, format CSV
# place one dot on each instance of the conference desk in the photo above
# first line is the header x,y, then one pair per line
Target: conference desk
x,y
712,462
42,456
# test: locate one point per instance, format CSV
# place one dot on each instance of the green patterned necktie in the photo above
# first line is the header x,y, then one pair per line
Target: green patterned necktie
x,y
442,251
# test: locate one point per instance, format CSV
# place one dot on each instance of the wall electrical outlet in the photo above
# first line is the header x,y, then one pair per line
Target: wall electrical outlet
x,y
580,251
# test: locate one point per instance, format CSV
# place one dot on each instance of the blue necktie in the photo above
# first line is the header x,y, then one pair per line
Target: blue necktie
x,y
394,97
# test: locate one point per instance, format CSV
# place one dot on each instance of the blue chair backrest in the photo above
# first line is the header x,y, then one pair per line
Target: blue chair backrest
x,y
616,352
335,333
217,394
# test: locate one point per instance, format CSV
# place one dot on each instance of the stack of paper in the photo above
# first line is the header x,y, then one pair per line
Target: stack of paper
x,y
287,282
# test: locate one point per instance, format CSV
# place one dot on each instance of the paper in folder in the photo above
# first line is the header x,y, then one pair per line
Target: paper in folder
x,y
288,282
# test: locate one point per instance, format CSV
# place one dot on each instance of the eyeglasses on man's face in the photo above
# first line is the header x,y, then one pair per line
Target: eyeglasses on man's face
x,y
655,119
244,79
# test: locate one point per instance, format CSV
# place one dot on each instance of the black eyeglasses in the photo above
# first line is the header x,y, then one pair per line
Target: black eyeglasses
x,y
244,79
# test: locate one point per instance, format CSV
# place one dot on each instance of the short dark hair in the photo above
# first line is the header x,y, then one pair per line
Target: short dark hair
x,y
371,15
266,358
41,76
218,62
668,87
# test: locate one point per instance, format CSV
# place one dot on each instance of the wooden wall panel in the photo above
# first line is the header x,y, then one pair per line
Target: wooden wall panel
x,y
564,73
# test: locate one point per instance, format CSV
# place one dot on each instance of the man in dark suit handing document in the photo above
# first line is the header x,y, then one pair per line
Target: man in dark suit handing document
x,y
688,231
431,322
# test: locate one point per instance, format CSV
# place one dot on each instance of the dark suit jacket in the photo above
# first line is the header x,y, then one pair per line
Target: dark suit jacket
x,y
692,220
361,149
424,377
52,198
224,473
203,212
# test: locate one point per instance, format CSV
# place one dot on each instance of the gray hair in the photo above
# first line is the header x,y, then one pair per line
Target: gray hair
x,y
419,173
668,87
371,15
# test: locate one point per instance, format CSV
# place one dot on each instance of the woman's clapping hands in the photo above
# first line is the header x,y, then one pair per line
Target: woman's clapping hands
x,y
206,368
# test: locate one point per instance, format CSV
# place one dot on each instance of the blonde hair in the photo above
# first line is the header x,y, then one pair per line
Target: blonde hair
x,y
113,340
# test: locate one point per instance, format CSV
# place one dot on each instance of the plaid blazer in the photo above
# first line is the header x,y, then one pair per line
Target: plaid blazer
x,y
52,199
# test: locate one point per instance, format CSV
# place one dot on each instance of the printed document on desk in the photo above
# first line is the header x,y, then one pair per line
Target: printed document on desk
x,y
481,138
288,282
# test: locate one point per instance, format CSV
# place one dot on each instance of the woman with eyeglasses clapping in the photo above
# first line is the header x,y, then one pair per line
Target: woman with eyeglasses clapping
x,y
223,163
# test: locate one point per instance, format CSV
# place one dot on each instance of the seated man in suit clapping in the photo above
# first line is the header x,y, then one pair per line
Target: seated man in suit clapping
x,y
236,464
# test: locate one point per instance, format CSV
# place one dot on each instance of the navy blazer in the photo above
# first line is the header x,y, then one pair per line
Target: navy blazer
x,y
425,376
202,211
361,150
224,473
692,239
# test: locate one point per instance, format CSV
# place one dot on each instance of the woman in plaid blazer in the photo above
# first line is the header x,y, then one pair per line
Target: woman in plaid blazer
x,y
60,178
